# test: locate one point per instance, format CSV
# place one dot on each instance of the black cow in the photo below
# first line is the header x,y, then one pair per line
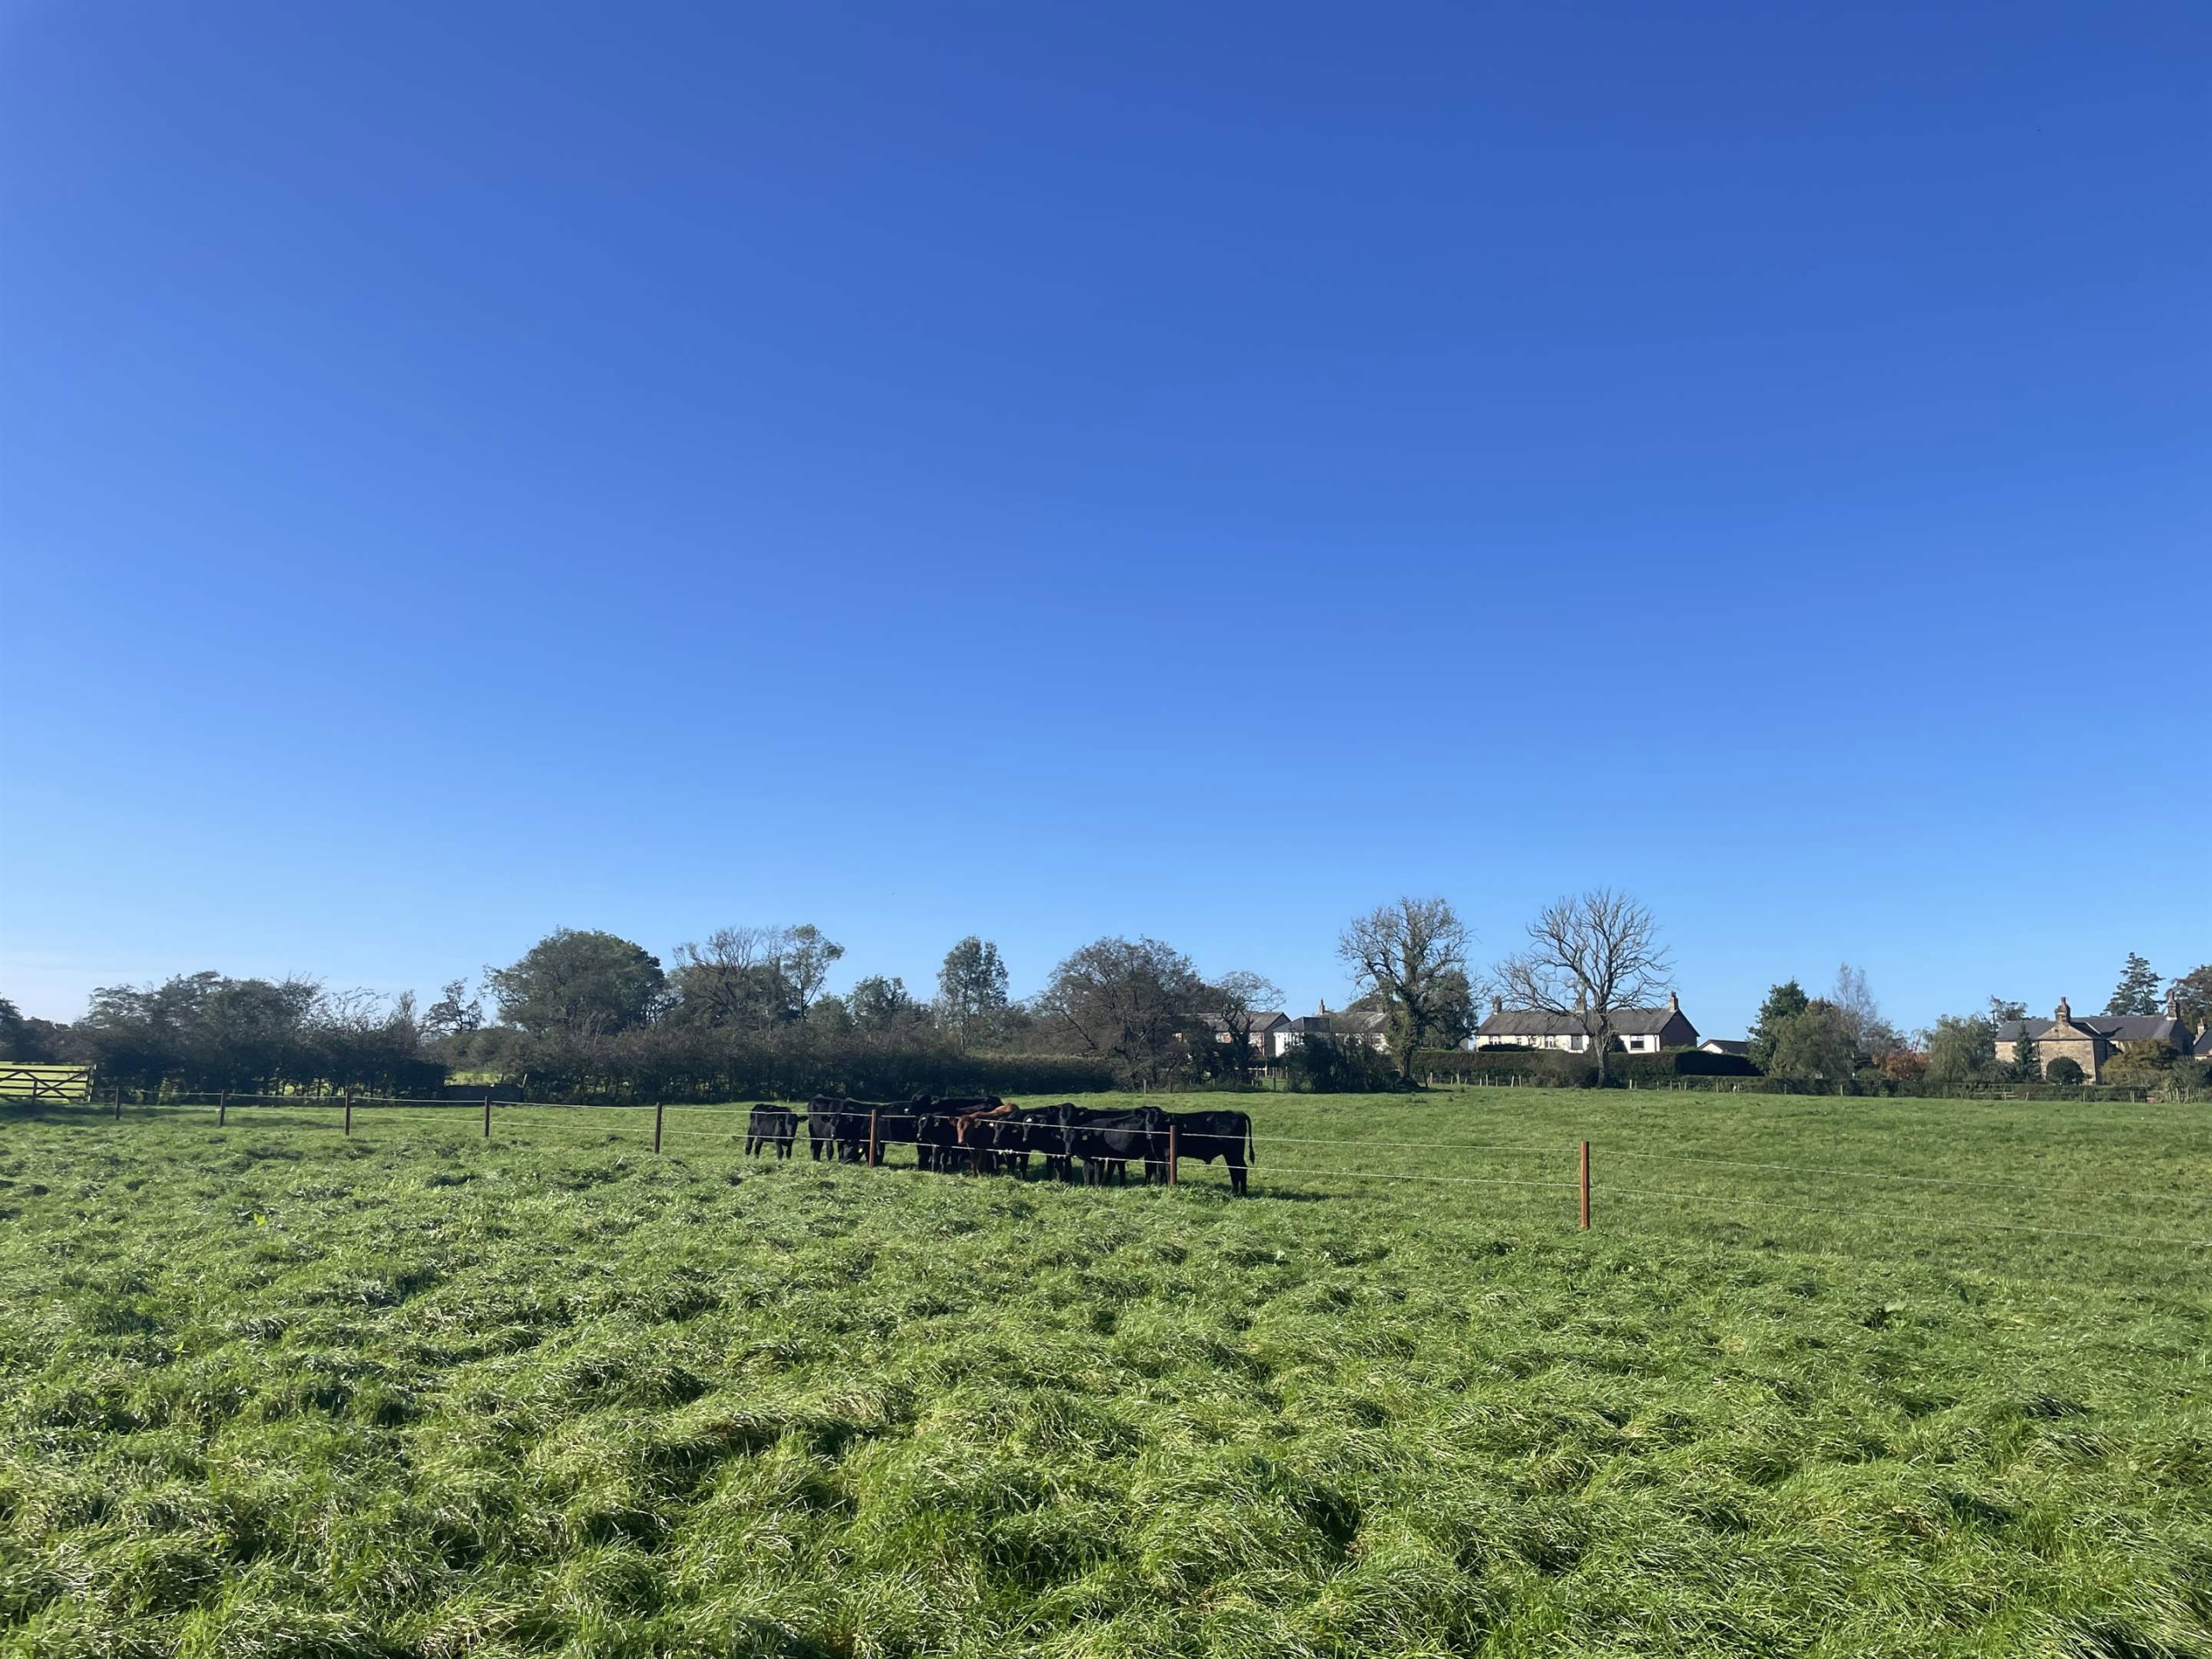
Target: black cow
x,y
826,1132
1208,1135
770,1126
1107,1142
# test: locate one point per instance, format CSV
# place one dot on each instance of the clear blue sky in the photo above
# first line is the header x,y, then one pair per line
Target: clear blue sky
x,y
1201,471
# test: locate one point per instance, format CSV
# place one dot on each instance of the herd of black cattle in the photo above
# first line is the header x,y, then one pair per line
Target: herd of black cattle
x,y
983,1135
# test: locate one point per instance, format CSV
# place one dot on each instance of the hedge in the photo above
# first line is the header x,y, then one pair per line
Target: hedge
x,y
1562,1068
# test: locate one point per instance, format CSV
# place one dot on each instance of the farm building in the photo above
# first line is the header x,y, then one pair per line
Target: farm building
x,y
1640,1030
2091,1039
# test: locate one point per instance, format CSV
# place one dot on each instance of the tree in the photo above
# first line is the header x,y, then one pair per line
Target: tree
x,y
1783,1001
1816,1041
2137,990
2064,1069
2002,1012
2192,994
1237,999
2024,1055
1134,1001
577,985
734,981
1589,957
456,1014
29,1039
805,962
1960,1048
1414,953
1853,999
971,989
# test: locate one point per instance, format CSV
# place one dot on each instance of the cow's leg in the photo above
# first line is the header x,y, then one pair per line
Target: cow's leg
x,y
1236,1176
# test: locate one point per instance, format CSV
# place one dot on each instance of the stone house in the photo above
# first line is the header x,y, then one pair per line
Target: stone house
x,y
2091,1039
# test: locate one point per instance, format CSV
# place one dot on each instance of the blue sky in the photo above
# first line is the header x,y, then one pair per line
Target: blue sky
x,y
1193,471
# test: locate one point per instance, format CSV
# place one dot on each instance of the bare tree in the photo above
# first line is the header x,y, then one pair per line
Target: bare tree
x,y
733,979
1589,957
1237,999
1414,953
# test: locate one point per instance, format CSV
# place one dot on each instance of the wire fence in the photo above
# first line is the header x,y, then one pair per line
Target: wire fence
x,y
490,1108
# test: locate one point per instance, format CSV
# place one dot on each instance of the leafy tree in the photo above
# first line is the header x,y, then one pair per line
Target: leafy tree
x,y
34,1042
1959,1049
2001,1011
1783,1001
1817,1041
2064,1069
805,961
971,989
2024,1055
2137,990
2193,992
456,1014
1414,953
1589,957
578,986
2141,1064
1135,1002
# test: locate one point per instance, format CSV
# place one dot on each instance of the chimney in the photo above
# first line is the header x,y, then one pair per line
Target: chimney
x,y
1581,999
1497,1004
2173,1001
1323,1006
1673,1003
2065,1013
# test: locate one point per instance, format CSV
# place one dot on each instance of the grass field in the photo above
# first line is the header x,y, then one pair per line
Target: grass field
x,y
267,1390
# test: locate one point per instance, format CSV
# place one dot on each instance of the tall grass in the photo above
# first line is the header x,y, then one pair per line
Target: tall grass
x,y
266,1391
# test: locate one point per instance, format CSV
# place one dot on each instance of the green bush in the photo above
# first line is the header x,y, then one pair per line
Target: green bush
x,y
2063,1070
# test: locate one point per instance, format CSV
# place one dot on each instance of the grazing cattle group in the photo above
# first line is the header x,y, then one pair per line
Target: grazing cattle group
x,y
985,1136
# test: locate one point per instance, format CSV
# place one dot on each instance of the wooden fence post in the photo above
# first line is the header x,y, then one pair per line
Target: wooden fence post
x,y
118,1103
1171,1132
873,1158
1585,1186
222,1108
349,1112
487,1113
657,1110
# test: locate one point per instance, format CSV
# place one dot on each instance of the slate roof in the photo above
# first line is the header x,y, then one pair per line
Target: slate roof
x,y
2114,1027
1531,1022
1727,1045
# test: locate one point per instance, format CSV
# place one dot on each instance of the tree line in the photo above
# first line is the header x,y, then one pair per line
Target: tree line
x,y
748,1010
1842,1037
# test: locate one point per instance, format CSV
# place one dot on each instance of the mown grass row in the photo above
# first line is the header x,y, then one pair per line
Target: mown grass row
x,y
270,1390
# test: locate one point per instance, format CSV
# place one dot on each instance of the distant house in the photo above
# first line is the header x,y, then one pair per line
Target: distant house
x,y
1642,1031
1372,1029
1266,1031
1736,1045
2090,1040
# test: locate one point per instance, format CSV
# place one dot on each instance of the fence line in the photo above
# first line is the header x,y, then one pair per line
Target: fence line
x,y
1903,1215
346,1101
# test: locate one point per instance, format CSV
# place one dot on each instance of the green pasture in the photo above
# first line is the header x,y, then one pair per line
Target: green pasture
x,y
1828,1377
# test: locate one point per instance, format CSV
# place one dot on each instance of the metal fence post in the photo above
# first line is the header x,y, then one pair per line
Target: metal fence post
x,y
349,1112
487,1113
1586,1185
656,1111
1171,1132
